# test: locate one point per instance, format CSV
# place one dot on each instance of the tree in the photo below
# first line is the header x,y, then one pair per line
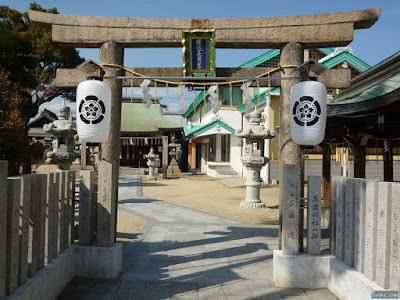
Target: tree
x,y
13,139
29,60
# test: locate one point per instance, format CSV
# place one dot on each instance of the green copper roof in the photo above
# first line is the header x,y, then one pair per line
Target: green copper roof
x,y
196,130
135,117
333,60
271,54
366,98
198,100
260,59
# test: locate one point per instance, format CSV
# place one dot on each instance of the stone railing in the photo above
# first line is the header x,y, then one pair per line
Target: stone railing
x,y
36,223
364,255
366,228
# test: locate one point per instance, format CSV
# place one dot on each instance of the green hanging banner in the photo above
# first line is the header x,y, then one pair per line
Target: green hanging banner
x,y
198,53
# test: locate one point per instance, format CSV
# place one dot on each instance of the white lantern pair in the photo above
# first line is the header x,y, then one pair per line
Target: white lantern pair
x,y
93,108
308,108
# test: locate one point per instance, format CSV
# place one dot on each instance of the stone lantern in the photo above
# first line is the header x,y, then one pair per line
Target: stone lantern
x,y
253,158
62,153
153,161
173,168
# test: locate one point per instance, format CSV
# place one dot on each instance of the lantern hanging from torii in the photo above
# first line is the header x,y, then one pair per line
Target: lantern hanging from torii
x,y
93,108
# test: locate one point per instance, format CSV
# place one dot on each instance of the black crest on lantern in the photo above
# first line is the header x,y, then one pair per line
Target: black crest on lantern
x,y
91,110
306,111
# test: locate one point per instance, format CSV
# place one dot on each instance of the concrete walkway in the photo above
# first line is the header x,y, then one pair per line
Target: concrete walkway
x,y
187,254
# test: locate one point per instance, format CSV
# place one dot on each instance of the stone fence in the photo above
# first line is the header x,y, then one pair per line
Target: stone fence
x,y
364,234
36,223
367,228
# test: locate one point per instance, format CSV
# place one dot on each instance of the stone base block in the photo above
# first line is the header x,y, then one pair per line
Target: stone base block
x,y
173,171
49,282
346,283
301,271
321,271
248,204
98,262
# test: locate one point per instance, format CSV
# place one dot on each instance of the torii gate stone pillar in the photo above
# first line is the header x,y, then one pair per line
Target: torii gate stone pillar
x,y
113,53
291,54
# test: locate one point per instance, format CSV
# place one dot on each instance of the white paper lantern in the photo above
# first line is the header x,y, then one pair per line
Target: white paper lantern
x,y
308,112
93,109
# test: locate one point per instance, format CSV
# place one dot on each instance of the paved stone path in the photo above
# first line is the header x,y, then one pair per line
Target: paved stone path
x,y
187,254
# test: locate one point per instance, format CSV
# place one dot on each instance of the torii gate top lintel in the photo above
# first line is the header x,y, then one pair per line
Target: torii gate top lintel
x,y
322,30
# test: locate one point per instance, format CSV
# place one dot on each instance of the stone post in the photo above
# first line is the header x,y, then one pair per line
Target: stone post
x,y
55,237
340,229
314,215
42,221
332,216
49,227
3,226
105,205
24,214
349,223
291,54
67,211
359,224
383,235
290,210
34,225
61,212
395,239
113,53
83,155
13,248
86,208
71,208
371,205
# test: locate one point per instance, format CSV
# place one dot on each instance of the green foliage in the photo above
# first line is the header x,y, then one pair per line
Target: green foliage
x,y
13,140
28,64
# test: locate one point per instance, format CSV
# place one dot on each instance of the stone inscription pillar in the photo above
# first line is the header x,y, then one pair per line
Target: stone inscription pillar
x,y
113,53
371,213
106,220
395,239
359,224
314,215
290,210
332,217
87,207
383,235
349,223
291,54
340,194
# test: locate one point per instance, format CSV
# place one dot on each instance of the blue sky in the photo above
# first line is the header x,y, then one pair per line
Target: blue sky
x,y
371,45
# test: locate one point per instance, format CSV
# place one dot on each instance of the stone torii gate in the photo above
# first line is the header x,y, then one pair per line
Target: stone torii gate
x,y
291,34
